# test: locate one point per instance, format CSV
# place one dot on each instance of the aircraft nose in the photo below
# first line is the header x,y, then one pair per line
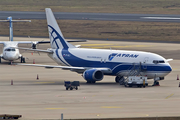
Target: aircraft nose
x,y
12,56
168,68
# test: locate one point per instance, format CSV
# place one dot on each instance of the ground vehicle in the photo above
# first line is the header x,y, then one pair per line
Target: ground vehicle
x,y
139,81
71,85
8,116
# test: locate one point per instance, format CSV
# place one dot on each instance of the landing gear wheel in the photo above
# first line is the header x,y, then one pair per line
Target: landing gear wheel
x,y
155,83
71,88
22,59
117,79
120,80
0,59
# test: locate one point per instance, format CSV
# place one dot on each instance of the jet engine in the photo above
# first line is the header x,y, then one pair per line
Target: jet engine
x,y
93,75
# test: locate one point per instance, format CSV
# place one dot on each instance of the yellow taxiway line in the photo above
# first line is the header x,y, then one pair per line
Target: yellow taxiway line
x,y
169,96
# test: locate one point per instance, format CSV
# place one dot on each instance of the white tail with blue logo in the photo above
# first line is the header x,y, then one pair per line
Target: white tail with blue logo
x,y
95,63
56,37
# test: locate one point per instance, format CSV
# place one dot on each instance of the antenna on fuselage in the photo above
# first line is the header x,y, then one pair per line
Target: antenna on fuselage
x,y
9,19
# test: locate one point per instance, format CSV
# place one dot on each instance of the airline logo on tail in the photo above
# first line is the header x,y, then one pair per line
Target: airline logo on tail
x,y
56,39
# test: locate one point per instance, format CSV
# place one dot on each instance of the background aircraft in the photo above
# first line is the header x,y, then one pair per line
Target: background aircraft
x,y
10,53
95,63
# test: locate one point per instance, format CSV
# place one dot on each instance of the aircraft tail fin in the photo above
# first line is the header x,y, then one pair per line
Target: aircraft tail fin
x,y
10,20
56,37
10,29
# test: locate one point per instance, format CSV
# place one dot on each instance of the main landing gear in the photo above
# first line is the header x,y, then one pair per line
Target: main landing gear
x,y
156,83
120,80
22,59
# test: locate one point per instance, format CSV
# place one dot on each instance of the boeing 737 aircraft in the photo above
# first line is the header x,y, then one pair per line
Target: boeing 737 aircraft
x,y
93,64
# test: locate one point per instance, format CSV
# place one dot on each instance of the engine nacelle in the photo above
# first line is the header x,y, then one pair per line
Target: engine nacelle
x,y
93,75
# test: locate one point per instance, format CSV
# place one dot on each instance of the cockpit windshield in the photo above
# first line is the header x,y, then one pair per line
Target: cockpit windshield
x,y
158,61
10,49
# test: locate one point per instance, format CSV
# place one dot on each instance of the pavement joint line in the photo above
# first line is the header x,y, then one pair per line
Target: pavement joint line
x,y
111,107
95,44
169,96
54,108
44,82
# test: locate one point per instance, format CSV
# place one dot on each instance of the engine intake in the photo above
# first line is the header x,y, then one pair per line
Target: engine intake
x,y
93,75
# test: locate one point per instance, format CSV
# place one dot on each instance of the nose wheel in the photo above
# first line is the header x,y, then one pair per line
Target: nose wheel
x,y
23,60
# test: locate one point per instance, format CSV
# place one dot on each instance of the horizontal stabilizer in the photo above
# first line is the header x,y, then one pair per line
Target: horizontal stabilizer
x,y
15,20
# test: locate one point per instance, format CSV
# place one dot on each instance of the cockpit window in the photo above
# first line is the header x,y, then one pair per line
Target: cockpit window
x,y
158,61
10,49
161,61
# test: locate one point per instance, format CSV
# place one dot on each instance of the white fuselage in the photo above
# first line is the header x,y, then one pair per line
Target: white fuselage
x,y
119,61
10,53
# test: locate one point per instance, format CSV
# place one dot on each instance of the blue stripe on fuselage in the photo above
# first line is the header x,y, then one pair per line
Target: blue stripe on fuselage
x,y
115,66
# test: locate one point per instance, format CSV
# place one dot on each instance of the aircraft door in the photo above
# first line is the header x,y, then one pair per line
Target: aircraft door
x,y
145,62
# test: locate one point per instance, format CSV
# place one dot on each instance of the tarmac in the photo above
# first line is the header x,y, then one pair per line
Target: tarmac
x,y
47,98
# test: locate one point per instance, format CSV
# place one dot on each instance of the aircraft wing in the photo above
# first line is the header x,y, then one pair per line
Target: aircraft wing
x,y
43,42
35,50
18,42
1,42
75,69
25,42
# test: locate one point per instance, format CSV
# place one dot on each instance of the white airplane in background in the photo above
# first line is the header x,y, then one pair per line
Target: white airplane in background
x,y
12,54
95,63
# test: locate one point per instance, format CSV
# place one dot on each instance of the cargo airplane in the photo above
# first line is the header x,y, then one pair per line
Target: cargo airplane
x,y
93,64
